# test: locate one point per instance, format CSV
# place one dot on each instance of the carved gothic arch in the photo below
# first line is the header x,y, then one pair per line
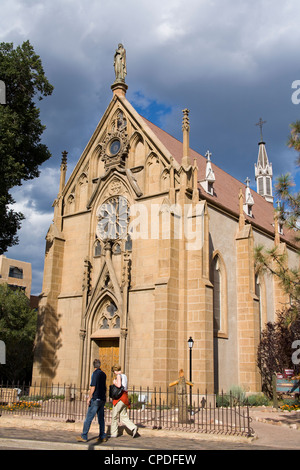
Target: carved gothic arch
x,y
81,191
135,138
152,157
137,150
261,293
101,318
106,187
69,207
152,170
165,179
118,121
96,319
97,166
106,284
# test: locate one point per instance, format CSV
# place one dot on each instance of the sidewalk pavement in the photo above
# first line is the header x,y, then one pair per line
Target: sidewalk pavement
x,y
273,430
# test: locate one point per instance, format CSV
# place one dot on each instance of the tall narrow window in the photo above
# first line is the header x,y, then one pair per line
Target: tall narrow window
x,y
268,186
220,301
97,248
261,185
217,295
258,295
128,243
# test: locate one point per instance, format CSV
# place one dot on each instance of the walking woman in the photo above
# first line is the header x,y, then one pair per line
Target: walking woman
x,y
121,405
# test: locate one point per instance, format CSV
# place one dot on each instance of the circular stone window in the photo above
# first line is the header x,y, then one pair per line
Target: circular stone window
x,y
114,147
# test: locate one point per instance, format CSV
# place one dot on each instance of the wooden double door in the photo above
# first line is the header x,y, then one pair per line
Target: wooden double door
x,y
109,355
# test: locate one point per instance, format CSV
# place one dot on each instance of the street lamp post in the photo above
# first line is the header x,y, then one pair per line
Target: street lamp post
x,y
191,344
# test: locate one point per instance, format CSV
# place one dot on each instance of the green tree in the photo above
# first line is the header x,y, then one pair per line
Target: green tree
x,y
288,213
17,331
275,348
294,139
21,150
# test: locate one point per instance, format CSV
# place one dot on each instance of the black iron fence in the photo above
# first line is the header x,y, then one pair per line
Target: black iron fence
x,y
152,408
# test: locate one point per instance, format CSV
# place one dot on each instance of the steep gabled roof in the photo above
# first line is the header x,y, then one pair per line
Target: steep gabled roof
x,y
226,188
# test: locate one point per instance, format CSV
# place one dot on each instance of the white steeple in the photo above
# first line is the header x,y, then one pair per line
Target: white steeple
x,y
210,178
249,201
263,169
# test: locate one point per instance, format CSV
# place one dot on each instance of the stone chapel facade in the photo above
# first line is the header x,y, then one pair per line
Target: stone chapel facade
x,y
152,243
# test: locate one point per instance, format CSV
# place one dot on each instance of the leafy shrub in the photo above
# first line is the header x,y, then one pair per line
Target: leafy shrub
x,y
258,400
274,351
222,401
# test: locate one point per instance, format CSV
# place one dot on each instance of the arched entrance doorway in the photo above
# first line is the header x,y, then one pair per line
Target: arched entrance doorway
x,y
106,339
109,354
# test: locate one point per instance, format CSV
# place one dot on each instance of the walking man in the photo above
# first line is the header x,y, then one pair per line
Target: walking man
x,y
96,401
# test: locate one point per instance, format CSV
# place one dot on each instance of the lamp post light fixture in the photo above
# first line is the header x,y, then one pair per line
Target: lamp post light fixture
x,y
191,344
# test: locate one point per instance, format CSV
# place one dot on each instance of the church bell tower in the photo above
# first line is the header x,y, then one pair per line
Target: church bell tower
x,y
263,169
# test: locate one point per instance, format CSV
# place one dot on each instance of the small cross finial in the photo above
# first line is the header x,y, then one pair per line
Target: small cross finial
x,y
260,124
247,181
208,155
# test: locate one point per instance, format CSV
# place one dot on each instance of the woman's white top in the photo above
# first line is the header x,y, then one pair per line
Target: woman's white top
x,y
124,382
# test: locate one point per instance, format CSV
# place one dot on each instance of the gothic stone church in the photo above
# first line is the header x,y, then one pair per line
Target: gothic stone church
x,y
125,281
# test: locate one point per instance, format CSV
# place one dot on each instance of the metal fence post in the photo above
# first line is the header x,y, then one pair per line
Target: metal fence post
x,y
274,387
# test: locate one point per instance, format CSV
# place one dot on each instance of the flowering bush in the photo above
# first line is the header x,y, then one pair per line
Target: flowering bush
x,y
291,407
21,406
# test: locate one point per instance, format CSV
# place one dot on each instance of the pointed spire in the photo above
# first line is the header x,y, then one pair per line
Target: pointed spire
x,y
262,159
248,196
241,210
186,138
172,181
249,201
209,175
195,182
263,169
276,228
207,183
63,170
278,222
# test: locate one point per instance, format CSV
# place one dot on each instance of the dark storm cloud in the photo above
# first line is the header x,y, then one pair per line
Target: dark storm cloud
x,y
229,62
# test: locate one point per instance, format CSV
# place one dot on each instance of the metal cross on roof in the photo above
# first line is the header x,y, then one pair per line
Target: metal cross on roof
x,y
208,154
260,124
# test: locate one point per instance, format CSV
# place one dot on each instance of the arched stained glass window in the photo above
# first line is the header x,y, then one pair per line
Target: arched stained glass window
x,y
97,248
128,243
220,296
217,294
109,318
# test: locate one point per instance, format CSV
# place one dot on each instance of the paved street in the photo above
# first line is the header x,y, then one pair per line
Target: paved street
x,y
146,441
268,437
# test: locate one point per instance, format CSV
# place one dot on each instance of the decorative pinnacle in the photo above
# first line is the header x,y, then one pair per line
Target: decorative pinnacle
x,y
186,145
185,120
63,169
64,157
